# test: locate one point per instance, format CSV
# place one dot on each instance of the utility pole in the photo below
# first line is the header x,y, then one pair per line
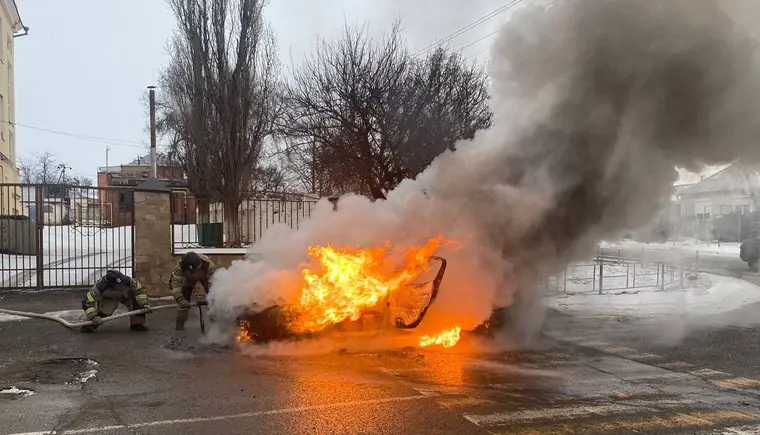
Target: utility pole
x,y
152,98
62,175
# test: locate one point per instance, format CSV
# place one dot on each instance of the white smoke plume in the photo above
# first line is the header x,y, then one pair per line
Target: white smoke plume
x,y
596,103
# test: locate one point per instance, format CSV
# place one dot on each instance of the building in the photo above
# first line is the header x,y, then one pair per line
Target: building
x,y
115,185
731,192
725,192
11,27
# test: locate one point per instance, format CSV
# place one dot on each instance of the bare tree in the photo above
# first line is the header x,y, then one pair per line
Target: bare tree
x,y
362,116
220,99
40,168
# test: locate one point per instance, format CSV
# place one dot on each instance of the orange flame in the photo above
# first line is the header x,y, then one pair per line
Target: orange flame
x,y
243,335
446,338
346,282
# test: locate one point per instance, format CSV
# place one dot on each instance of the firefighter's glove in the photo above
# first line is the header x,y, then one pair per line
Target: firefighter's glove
x,y
97,321
145,306
184,304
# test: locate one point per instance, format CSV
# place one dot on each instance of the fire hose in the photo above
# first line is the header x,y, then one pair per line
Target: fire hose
x,y
74,325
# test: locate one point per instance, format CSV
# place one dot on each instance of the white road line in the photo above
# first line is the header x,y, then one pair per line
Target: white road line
x,y
711,374
181,421
569,413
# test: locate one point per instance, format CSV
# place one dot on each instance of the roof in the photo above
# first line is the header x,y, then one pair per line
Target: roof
x,y
161,160
16,24
731,179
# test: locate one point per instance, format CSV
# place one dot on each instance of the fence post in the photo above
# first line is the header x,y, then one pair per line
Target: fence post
x,y
601,274
696,264
39,217
564,281
682,271
152,248
662,277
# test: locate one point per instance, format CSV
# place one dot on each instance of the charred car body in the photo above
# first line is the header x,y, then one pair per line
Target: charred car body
x,y
281,322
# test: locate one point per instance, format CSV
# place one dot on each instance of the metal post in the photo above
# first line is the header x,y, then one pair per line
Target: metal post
x,y
634,274
152,98
39,217
564,279
662,277
601,274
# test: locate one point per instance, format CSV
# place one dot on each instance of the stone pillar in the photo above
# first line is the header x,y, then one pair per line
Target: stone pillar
x,y
152,239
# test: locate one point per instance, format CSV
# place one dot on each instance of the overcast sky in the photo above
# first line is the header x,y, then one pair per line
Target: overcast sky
x,y
85,64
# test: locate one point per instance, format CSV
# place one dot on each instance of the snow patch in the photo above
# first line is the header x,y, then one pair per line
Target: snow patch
x,y
85,376
17,391
689,247
66,314
709,295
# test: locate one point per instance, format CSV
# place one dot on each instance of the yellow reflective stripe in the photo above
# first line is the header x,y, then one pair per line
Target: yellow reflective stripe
x,y
141,297
90,298
91,310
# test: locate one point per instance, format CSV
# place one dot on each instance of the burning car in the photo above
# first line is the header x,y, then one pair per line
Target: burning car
x,y
354,290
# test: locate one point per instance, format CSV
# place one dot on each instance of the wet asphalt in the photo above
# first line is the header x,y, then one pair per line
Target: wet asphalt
x,y
582,376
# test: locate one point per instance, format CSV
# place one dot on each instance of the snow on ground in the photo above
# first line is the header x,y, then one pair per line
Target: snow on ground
x,y
684,247
17,391
708,295
71,256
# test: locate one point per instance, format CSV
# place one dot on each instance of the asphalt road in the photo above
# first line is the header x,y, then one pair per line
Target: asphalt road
x,y
571,381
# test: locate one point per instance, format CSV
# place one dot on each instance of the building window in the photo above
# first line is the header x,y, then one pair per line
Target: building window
x,y
126,201
47,208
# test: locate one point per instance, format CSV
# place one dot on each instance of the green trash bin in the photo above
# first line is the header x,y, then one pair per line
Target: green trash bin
x,y
211,235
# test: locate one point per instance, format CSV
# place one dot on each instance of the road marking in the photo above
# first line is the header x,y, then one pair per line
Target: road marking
x,y
711,374
181,421
574,412
737,383
675,365
737,430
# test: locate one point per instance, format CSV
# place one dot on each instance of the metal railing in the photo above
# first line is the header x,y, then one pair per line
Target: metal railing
x,y
199,224
63,236
612,270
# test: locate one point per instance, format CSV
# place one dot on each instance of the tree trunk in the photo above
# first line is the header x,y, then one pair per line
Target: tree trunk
x,y
204,211
232,224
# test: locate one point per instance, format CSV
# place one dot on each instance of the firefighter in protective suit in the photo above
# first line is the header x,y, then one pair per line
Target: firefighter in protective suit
x,y
105,296
191,269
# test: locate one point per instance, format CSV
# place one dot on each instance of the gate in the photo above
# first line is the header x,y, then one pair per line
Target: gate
x,y
55,236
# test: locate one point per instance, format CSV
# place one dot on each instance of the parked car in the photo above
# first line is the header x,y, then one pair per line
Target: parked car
x,y
749,252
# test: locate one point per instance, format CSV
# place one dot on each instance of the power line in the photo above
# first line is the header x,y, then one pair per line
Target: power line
x,y
474,55
478,40
470,26
116,142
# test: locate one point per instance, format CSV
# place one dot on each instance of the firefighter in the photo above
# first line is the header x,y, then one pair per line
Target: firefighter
x,y
105,296
191,269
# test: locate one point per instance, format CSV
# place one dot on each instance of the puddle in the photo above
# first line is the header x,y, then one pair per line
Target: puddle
x,y
67,371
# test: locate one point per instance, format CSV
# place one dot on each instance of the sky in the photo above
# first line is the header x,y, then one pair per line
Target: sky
x,y
83,69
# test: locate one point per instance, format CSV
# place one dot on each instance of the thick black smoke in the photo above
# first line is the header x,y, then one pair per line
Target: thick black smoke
x,y
596,103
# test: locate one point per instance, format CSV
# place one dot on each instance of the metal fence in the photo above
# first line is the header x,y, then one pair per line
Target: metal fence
x,y
611,271
63,236
214,224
